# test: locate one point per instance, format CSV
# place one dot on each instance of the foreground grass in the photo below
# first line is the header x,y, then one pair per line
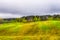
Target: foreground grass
x,y
41,30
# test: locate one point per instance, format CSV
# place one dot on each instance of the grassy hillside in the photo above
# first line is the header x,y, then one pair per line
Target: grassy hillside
x,y
40,30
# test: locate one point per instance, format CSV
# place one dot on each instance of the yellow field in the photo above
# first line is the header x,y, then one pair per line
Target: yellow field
x,y
41,30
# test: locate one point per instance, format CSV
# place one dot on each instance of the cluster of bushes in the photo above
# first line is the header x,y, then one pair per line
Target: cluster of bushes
x,y
39,18
31,18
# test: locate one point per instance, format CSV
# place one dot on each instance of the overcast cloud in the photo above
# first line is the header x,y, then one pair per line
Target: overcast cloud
x,y
28,7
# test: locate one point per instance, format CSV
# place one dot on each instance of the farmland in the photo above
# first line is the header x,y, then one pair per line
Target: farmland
x,y
39,30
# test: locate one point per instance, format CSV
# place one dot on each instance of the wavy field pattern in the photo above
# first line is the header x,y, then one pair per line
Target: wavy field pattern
x,y
41,30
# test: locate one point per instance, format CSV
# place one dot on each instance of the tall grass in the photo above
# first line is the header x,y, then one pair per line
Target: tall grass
x,y
41,30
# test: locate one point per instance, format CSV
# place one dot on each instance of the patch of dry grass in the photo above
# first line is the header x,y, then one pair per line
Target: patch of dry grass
x,y
43,30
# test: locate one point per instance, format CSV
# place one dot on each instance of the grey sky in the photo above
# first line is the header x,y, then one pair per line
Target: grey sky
x,y
29,7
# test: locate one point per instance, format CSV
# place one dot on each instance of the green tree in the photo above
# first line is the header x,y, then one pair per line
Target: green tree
x,y
36,18
24,20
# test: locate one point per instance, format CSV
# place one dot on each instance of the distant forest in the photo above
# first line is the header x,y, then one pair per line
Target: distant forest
x,y
25,19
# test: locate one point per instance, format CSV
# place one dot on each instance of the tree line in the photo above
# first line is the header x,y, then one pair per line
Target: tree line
x,y
31,18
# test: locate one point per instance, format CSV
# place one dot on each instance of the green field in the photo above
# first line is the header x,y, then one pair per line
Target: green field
x,y
40,30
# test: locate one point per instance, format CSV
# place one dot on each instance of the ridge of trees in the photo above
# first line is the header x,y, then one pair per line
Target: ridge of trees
x,y
31,18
